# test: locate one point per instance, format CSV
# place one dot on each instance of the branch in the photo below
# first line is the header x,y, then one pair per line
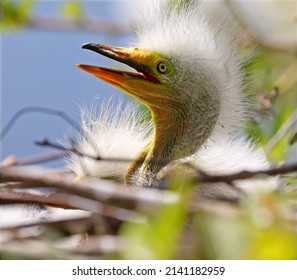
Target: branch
x,y
48,143
36,109
68,201
36,159
99,190
244,175
52,112
74,150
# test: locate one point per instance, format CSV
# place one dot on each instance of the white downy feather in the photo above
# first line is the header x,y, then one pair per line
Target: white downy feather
x,y
109,131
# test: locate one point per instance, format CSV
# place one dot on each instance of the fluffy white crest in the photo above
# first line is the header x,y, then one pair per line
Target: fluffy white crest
x,y
201,43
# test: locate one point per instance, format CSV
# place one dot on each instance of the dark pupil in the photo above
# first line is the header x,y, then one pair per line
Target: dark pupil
x,y
162,67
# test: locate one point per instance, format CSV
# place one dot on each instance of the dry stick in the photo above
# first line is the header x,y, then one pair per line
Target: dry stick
x,y
290,122
102,191
36,109
40,158
48,111
74,150
56,224
47,143
69,201
105,191
202,177
12,160
244,175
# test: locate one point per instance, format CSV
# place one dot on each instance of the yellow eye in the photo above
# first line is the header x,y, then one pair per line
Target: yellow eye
x,y
162,67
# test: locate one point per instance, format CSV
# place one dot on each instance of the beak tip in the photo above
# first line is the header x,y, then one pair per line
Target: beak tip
x,y
91,46
81,66
87,45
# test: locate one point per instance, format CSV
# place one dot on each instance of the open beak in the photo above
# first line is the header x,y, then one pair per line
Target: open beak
x,y
129,56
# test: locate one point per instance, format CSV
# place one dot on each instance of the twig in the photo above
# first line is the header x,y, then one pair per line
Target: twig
x,y
69,201
36,109
57,223
44,157
74,150
48,143
48,111
101,191
244,175
12,160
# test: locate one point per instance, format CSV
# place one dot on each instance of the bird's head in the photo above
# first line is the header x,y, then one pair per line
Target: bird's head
x,y
185,72
183,109
152,82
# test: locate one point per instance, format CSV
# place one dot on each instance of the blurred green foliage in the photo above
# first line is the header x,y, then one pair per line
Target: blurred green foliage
x,y
15,13
159,237
73,10
18,13
269,69
258,228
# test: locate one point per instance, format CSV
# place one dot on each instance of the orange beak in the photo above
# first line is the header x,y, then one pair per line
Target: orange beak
x,y
129,56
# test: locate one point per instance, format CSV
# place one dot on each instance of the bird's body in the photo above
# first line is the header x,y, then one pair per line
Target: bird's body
x,y
189,76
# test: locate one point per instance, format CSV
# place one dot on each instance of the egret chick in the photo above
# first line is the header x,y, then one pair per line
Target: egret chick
x,y
187,73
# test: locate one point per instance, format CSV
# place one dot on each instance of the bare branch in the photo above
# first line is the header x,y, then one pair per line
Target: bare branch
x,y
244,175
74,150
63,200
99,190
35,109
48,143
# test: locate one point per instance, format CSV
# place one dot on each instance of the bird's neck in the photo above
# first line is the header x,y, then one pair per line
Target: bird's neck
x,y
180,130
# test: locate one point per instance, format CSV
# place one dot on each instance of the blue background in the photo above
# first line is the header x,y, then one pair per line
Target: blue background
x,y
38,69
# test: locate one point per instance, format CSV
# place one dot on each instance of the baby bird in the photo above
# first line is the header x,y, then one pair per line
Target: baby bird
x,y
188,74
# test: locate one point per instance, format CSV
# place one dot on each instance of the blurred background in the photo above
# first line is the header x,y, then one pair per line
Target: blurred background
x,y
38,63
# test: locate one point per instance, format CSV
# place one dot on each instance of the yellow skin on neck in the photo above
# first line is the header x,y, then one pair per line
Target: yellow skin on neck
x,y
161,101
156,94
152,85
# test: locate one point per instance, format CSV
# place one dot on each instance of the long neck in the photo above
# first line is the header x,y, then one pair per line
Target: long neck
x,y
180,130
